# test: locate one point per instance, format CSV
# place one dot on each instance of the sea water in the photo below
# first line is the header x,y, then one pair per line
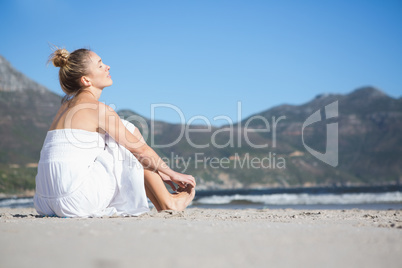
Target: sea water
x,y
375,197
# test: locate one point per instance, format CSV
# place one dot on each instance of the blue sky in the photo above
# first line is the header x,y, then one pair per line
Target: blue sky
x,y
205,56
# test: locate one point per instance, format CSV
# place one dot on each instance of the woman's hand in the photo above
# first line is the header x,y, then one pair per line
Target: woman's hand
x,y
182,180
167,180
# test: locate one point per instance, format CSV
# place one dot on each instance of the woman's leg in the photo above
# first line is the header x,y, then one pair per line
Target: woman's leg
x,y
160,196
153,199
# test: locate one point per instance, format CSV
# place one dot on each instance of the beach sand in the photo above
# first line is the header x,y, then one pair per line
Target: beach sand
x,y
204,238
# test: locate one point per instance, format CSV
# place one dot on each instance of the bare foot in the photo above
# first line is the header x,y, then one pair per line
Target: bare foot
x,y
182,198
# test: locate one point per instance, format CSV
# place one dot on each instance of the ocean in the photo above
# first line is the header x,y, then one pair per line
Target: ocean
x,y
373,197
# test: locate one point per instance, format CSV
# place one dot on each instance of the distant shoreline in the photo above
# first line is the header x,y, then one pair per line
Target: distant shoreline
x,y
301,198
313,189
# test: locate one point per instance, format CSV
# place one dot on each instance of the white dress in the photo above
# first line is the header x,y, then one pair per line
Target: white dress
x,y
88,174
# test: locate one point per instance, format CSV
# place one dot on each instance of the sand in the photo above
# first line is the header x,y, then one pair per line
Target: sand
x,y
204,238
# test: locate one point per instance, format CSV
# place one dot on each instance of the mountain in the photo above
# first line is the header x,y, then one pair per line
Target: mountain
x,y
370,143
27,110
368,121
368,124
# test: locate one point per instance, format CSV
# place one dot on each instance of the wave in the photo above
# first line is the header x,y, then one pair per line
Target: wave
x,y
281,199
17,202
27,202
305,199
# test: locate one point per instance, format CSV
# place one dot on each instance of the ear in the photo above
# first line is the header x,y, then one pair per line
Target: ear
x,y
85,81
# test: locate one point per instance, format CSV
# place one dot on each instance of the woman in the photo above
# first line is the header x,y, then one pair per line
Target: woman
x,y
92,162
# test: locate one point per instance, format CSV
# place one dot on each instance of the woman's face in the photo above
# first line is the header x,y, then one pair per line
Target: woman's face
x,y
98,72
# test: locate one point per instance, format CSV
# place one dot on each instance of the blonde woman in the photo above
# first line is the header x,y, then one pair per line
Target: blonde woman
x,y
92,162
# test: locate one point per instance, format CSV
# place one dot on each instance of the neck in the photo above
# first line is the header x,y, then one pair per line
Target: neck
x,y
93,92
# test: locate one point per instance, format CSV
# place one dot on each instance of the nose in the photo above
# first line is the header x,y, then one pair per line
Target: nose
x,y
107,67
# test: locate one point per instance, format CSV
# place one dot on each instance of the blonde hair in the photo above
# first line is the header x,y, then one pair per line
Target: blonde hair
x,y
73,66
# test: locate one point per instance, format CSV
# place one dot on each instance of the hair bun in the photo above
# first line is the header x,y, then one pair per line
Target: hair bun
x,y
60,57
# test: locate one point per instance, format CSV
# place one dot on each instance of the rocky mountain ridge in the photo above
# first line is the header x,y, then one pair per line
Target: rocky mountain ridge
x,y
12,80
368,121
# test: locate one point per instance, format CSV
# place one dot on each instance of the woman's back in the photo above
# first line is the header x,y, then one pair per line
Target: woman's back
x,y
65,159
71,145
81,112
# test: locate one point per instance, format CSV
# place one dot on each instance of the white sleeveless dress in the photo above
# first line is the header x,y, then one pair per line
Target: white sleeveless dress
x,y
88,174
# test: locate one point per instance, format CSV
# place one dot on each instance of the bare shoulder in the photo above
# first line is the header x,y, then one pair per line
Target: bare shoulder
x,y
83,114
105,108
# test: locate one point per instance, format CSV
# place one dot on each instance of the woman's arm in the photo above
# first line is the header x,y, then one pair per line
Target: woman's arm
x,y
110,121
